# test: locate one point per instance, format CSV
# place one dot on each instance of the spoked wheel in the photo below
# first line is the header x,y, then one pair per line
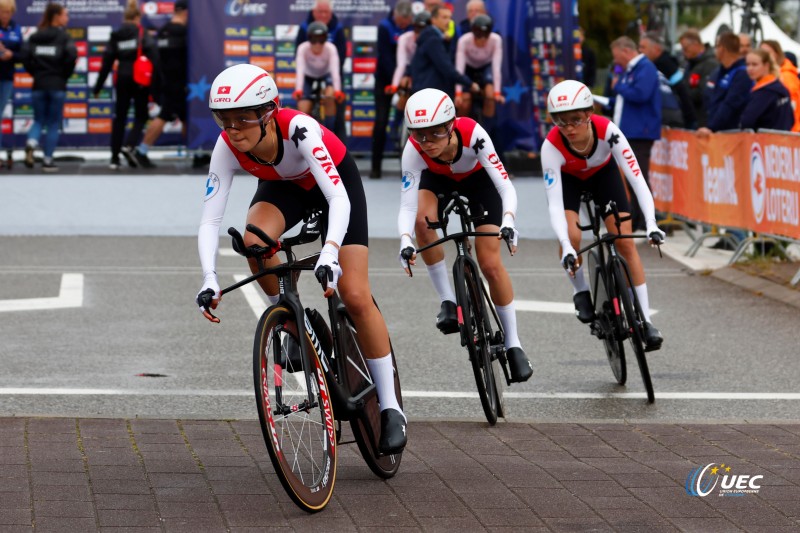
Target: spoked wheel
x,y
633,324
294,410
479,344
494,332
356,378
605,320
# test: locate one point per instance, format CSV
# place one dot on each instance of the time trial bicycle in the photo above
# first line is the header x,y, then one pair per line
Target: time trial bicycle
x,y
478,322
618,315
309,377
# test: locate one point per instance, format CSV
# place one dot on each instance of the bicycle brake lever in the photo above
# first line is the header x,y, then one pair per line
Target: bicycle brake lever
x,y
323,275
237,241
204,300
507,233
407,253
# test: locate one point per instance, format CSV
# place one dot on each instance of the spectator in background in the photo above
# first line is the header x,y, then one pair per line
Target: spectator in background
x,y
699,63
123,48
49,57
728,89
589,60
406,48
636,104
10,45
474,8
745,44
172,79
769,106
787,75
389,31
431,67
322,11
652,46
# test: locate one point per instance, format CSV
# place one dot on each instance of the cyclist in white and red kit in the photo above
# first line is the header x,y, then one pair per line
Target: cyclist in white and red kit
x,y
584,153
300,164
317,60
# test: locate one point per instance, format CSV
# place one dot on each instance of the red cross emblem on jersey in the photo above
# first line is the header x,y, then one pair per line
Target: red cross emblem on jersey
x,y
420,113
224,90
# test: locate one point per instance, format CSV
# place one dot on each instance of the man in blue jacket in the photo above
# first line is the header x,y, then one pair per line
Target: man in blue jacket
x,y
432,66
636,104
389,30
728,89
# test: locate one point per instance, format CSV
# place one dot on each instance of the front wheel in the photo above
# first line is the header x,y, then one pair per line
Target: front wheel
x,y
633,325
357,381
478,341
294,409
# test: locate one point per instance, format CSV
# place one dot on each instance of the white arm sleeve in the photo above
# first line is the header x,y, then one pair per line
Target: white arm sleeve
x,y
300,66
412,166
497,62
217,188
402,63
626,159
336,75
325,174
461,59
490,160
552,161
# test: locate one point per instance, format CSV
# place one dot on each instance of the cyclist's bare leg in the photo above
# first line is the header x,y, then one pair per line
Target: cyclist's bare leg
x,y
355,292
328,102
269,218
464,103
627,249
427,207
487,250
488,100
305,106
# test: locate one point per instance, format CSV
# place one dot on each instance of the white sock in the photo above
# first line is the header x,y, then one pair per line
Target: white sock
x,y
382,372
508,318
273,298
579,281
438,274
644,301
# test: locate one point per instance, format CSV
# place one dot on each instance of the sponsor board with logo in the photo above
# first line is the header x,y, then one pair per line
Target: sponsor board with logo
x,y
741,180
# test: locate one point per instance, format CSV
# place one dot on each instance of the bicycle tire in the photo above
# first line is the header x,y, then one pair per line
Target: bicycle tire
x,y
606,319
355,377
478,345
300,437
632,323
495,332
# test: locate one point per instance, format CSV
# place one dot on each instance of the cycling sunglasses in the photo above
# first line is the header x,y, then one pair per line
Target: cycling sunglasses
x,y
241,119
570,123
431,134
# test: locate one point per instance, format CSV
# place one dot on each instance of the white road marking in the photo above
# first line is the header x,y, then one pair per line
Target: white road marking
x,y
728,396
69,296
539,306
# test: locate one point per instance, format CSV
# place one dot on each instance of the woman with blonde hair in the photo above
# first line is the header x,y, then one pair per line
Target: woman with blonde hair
x,y
787,74
769,106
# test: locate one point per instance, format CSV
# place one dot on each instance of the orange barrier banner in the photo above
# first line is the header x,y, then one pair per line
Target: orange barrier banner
x,y
742,180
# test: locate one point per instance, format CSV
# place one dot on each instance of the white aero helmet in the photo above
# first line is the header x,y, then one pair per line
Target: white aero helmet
x,y
429,107
569,95
243,87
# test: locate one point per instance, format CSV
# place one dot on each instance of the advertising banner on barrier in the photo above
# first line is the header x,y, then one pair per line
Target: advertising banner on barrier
x,y
742,180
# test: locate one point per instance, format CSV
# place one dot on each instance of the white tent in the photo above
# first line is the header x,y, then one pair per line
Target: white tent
x,y
732,17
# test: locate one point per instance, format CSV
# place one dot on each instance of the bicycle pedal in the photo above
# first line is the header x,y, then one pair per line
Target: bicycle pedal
x,y
651,348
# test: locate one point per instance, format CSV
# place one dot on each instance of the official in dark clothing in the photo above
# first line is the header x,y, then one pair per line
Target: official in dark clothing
x,y
389,30
432,66
170,82
770,106
123,47
698,65
728,89
49,57
652,46
10,45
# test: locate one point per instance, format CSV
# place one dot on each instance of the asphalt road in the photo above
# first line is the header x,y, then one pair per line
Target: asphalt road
x,y
728,355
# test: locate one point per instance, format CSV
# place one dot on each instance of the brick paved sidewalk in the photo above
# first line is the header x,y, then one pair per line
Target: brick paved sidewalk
x,y
63,474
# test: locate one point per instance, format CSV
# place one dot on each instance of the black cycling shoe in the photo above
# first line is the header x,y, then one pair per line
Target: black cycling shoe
x,y
652,337
518,365
583,306
447,319
393,432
